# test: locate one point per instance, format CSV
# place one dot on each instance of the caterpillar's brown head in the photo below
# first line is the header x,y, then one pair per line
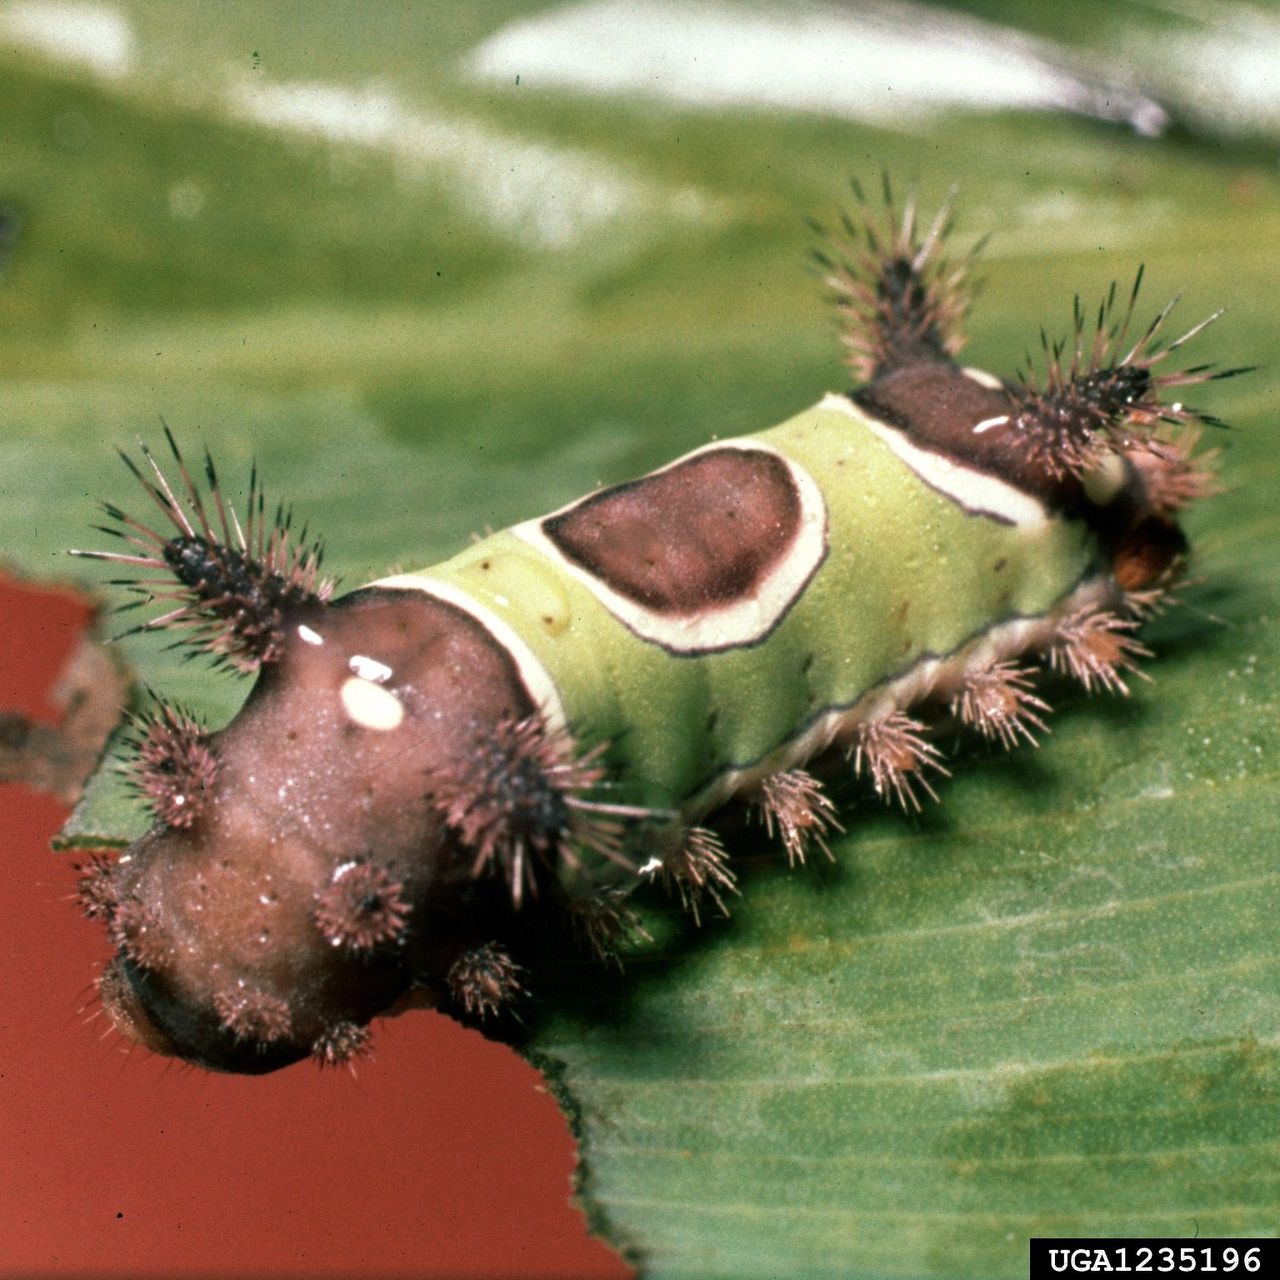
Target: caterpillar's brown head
x,y
327,853
300,877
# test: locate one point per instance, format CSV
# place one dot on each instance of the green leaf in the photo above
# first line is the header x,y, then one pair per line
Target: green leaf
x,y
1051,1005
1050,1009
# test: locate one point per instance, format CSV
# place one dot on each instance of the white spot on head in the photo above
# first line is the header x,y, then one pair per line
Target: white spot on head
x,y
370,668
370,705
987,423
652,867
311,637
983,378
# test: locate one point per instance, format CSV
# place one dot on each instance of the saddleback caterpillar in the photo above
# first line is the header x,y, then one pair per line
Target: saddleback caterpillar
x,y
551,717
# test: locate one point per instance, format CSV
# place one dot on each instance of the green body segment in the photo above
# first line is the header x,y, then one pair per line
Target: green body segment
x,y
908,574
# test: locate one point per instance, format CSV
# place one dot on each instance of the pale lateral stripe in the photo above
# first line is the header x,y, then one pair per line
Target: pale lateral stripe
x,y
542,689
931,676
730,626
975,491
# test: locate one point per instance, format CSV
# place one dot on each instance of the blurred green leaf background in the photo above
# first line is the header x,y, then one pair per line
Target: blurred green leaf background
x,y
439,267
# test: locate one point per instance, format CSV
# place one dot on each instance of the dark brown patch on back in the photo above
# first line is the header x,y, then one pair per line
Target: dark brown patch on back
x,y
938,406
697,536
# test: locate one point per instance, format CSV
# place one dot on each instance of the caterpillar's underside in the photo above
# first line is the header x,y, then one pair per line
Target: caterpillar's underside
x,y
555,715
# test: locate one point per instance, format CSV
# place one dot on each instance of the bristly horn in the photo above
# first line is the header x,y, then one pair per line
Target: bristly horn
x,y
1099,400
901,299
523,795
232,584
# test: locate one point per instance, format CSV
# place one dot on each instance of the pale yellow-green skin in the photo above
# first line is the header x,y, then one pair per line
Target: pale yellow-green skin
x,y
909,573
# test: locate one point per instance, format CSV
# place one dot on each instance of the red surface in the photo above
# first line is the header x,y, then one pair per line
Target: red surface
x,y
442,1159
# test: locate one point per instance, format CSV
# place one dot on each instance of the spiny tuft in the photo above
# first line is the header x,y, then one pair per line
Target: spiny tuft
x,y
134,929
1174,474
1095,400
96,889
485,980
606,922
893,751
902,301
999,703
1095,646
521,795
698,867
250,1014
1151,601
173,766
229,585
341,1044
362,907
794,802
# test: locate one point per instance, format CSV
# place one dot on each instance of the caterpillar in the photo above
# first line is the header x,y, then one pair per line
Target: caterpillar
x,y
434,764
